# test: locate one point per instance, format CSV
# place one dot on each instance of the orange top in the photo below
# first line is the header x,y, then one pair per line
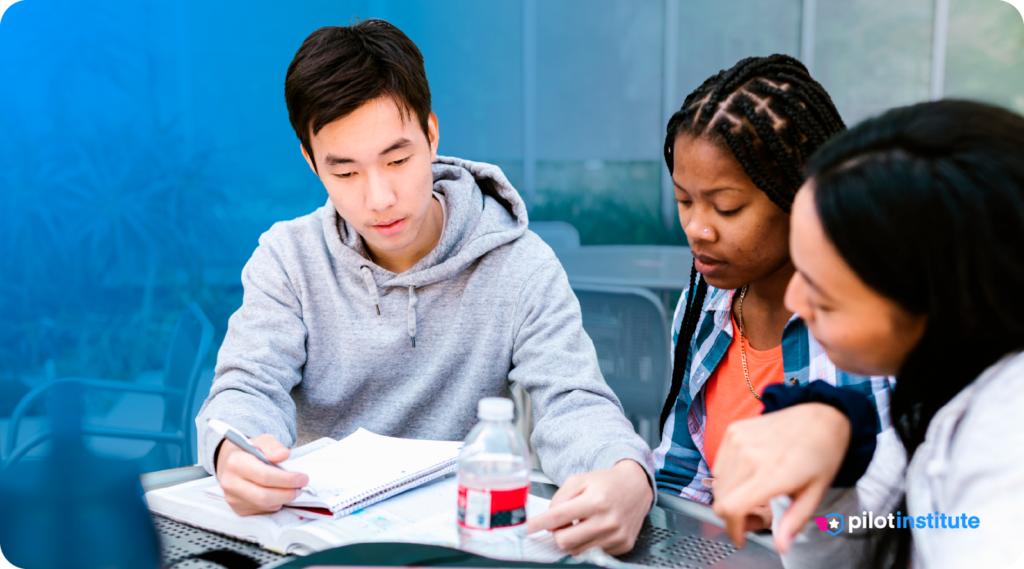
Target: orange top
x,y
727,397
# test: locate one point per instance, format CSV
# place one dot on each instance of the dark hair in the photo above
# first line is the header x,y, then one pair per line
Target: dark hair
x,y
339,68
926,204
772,116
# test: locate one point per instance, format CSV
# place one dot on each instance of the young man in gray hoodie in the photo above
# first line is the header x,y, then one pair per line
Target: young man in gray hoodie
x,y
412,293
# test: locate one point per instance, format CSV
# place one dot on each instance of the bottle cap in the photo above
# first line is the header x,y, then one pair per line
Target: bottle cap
x,y
495,409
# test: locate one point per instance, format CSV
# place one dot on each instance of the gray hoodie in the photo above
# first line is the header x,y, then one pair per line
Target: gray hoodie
x,y
326,341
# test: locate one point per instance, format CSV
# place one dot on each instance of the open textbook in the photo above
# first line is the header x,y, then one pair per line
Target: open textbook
x,y
423,515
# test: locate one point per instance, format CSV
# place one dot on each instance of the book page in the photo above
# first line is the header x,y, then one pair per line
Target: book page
x,y
307,448
379,521
192,504
343,471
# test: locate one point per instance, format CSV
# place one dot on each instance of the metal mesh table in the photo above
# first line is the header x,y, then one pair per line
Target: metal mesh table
x,y
668,539
179,543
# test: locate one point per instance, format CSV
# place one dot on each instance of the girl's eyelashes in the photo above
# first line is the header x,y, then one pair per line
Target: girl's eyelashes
x,y
727,213
818,307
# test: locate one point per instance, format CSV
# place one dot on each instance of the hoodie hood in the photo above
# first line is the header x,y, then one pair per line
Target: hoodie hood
x,y
484,213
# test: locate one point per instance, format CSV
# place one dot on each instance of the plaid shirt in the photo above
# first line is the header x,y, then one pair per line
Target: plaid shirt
x,y
680,461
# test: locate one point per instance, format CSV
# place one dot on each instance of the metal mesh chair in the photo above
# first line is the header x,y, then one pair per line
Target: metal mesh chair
x,y
557,234
631,336
190,342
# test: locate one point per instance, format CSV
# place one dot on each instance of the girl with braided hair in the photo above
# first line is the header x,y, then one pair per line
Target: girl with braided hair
x,y
736,151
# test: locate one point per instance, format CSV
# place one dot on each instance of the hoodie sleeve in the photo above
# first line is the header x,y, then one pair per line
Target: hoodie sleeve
x,y
580,426
260,360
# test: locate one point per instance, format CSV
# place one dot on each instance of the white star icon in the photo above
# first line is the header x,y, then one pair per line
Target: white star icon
x,y
1018,4
834,523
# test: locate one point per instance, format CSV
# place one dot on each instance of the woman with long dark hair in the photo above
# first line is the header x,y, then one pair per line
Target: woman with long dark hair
x,y
908,242
736,151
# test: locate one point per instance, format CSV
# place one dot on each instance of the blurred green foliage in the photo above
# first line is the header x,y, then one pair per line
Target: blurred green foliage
x,y
609,203
985,54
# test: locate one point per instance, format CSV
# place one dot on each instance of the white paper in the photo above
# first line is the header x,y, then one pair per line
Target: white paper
x,y
363,462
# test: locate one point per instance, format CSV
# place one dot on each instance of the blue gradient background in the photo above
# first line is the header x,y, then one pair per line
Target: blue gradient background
x,y
144,146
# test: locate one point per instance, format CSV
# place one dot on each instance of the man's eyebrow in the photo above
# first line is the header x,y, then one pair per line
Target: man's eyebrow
x,y
707,192
400,143
333,160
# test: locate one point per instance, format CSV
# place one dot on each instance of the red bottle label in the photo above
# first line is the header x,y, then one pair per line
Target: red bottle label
x,y
492,509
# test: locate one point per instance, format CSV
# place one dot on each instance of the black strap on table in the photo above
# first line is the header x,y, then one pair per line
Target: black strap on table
x,y
411,554
224,557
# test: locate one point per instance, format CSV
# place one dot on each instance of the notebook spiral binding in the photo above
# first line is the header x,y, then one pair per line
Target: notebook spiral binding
x,y
378,493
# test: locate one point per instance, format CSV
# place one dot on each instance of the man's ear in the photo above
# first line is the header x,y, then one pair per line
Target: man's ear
x,y
435,135
309,160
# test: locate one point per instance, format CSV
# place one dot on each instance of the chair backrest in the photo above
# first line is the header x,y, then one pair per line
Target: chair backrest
x,y
190,343
631,336
557,234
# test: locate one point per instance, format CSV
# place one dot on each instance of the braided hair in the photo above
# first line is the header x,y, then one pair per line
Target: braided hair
x,y
772,116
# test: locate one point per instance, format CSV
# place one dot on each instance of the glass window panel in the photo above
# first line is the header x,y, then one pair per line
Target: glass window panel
x,y
985,53
716,35
872,55
599,79
473,53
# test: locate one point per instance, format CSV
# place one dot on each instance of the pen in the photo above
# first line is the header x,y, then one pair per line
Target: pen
x,y
234,435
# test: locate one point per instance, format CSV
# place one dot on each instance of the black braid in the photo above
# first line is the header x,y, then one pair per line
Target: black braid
x,y
746,154
691,315
779,153
773,156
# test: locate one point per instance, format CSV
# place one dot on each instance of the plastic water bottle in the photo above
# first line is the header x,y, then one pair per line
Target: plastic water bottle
x,y
494,481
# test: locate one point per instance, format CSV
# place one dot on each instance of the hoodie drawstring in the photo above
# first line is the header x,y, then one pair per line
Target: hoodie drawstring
x,y
371,287
412,314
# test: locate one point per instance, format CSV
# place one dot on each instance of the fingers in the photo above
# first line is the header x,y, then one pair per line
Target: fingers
x,y
251,486
795,452
737,505
580,508
246,498
734,463
271,448
760,518
798,514
542,522
573,487
578,538
600,509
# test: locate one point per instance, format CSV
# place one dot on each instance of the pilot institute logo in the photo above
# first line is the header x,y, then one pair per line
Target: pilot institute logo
x,y
832,523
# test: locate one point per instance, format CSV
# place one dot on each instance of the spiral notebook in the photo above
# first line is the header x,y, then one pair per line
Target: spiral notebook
x,y
365,468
